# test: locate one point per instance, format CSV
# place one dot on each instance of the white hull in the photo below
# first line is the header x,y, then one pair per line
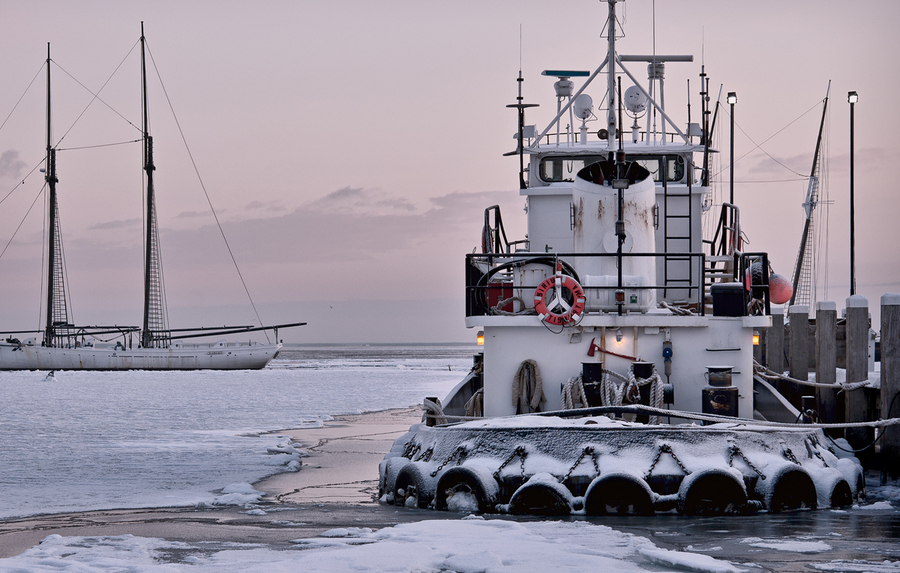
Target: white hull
x,y
219,356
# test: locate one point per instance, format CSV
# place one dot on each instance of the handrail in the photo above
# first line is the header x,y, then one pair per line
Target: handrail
x,y
491,235
479,280
730,230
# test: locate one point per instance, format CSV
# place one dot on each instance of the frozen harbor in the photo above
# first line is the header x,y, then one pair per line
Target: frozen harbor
x,y
96,441
100,440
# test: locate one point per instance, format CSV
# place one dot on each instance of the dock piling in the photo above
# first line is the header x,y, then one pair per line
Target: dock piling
x,y
855,403
890,383
826,361
799,364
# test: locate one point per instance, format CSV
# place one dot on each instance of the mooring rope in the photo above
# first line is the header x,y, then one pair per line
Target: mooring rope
x,y
764,372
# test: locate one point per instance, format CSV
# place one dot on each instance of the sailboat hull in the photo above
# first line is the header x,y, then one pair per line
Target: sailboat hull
x,y
219,356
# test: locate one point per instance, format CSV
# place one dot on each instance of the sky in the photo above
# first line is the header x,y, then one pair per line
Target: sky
x,y
349,148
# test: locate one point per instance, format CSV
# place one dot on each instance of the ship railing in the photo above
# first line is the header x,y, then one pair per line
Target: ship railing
x,y
728,237
492,286
493,236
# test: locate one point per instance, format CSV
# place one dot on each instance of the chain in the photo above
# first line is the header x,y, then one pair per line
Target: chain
x,y
459,452
412,448
665,448
519,451
736,450
810,447
789,455
587,450
426,455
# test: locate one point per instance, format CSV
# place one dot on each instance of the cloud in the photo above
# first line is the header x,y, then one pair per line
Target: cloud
x,y
189,214
10,164
120,224
271,206
353,200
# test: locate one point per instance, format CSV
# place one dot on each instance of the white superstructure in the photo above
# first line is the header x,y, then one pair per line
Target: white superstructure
x,y
612,331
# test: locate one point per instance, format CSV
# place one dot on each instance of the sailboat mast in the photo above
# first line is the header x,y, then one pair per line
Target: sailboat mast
x,y
154,326
50,178
802,268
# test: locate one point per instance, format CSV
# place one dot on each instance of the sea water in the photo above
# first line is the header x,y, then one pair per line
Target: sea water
x,y
75,441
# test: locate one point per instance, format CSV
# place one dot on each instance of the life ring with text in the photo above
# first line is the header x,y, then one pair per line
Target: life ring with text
x,y
566,300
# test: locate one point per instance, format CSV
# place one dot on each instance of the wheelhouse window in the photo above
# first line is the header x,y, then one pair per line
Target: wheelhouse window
x,y
653,164
559,168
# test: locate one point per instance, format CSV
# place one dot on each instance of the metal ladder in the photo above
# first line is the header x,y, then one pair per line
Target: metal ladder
x,y
677,206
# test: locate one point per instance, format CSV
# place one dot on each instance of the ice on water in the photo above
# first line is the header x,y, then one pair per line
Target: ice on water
x,y
472,545
100,440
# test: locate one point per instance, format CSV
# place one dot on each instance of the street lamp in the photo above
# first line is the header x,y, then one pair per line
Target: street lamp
x,y
852,98
732,99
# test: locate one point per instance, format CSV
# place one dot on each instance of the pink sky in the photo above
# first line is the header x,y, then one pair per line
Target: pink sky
x,y
351,147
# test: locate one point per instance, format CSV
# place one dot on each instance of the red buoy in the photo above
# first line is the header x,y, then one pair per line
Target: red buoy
x,y
780,289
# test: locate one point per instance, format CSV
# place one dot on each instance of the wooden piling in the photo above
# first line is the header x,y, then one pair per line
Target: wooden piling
x,y
799,366
890,383
855,402
775,341
826,361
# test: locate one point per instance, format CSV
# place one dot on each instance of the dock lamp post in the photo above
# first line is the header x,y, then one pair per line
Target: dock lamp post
x,y
852,97
732,99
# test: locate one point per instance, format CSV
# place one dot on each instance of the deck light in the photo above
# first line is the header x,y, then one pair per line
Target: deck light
x,y
480,338
619,336
755,338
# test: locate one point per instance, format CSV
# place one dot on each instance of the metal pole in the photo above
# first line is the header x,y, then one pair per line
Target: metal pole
x,y
732,99
731,158
851,97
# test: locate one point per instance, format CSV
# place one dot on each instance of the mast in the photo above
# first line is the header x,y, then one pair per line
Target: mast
x,y
155,330
611,78
57,314
803,267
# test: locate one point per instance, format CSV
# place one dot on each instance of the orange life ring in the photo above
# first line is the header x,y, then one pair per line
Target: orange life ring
x,y
559,310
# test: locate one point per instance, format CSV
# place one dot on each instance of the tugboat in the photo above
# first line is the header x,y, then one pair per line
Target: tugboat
x,y
617,372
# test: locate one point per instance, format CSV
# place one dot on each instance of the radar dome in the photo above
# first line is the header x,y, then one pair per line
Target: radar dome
x,y
635,100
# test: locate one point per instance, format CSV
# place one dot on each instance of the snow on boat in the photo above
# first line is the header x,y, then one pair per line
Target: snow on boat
x,y
617,367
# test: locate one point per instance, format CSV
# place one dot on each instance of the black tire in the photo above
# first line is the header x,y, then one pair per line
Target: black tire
x,y
841,496
712,492
410,483
793,489
537,498
618,494
466,480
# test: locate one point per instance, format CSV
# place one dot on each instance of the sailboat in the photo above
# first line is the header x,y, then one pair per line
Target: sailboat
x,y
65,346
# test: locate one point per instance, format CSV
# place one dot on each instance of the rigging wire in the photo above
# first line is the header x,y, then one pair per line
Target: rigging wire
x,y
44,249
67,292
205,193
22,182
98,145
96,95
759,145
825,201
21,97
8,243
